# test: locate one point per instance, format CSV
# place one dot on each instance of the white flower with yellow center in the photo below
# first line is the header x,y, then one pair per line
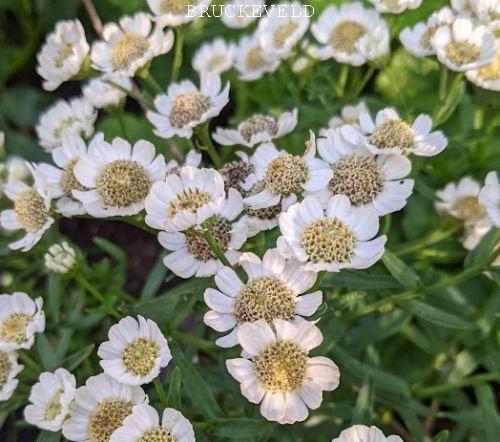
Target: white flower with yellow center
x,y
130,46
63,55
464,46
257,129
174,13
395,6
136,351
390,134
362,433
50,399
348,115
65,119
9,369
99,408
277,371
486,11
31,212
102,94
284,175
214,57
368,180
117,177
143,425
20,319
60,258
333,239
238,14
193,159
274,290
184,199
489,198
375,45
192,255
251,62
282,28
487,76
340,30
184,106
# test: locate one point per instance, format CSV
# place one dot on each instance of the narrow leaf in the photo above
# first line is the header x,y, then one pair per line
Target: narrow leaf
x,y
241,428
174,390
401,272
74,360
482,253
437,316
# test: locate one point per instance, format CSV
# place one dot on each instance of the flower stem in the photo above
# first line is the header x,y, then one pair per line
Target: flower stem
x,y
119,115
84,283
153,84
443,388
161,392
203,136
443,82
136,96
215,246
430,240
344,75
358,88
179,43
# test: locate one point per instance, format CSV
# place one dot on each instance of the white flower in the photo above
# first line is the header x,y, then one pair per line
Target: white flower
x,y
284,175
20,319
251,62
65,119
277,371
257,129
370,180
214,57
174,13
185,199
395,6
238,14
63,55
184,106
131,46
340,238
192,255
17,169
99,408
486,10
282,28
102,94
348,115
236,172
474,233
487,76
136,351
340,30
300,65
489,198
118,177
50,400
273,291
60,258
31,212
390,134
464,46
375,45
362,433
9,369
193,159
143,425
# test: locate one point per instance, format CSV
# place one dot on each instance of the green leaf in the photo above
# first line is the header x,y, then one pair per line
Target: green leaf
x,y
196,387
482,253
401,272
48,436
442,436
46,352
112,250
437,316
22,105
241,428
155,279
174,390
74,360
54,288
364,403
355,280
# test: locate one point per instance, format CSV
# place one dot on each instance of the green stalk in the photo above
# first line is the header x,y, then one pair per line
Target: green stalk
x,y
203,136
465,382
433,238
161,392
179,43
215,246
359,87
136,96
85,284
119,115
153,84
443,82
344,75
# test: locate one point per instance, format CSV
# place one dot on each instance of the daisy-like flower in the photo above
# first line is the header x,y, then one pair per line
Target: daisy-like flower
x,y
192,255
375,45
390,134
395,6
251,62
184,106
273,291
60,258
238,14
340,30
332,239
31,212
281,29
348,115
236,172
17,169
362,433
193,159
136,351
143,425
277,371
64,54
489,198
20,319
101,94
50,399
9,369
366,179
464,46
99,408
65,119
118,177
185,199
486,10
174,13
284,175
214,57
257,129
487,76
130,46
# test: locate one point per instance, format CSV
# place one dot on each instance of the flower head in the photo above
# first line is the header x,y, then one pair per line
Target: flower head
x,y
174,13
102,94
348,115
489,198
251,62
214,57
9,369
487,76
60,258
395,6
361,433
240,13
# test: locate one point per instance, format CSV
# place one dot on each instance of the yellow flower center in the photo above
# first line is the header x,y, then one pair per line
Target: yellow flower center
x,y
128,48
30,210
285,175
490,72
139,357
220,229
107,417
188,107
216,62
68,181
258,124
14,328
468,208
5,367
254,59
345,35
235,173
393,133
426,37
157,434
177,7
462,52
54,406
67,122
188,199
62,54
283,32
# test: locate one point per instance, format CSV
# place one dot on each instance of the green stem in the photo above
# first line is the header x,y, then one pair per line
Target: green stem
x,y
203,135
84,283
119,115
137,97
215,246
443,388
179,43
161,392
443,82
153,84
363,82
344,75
29,362
433,238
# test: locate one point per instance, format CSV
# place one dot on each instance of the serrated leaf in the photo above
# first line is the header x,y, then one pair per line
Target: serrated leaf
x,y
437,316
401,272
